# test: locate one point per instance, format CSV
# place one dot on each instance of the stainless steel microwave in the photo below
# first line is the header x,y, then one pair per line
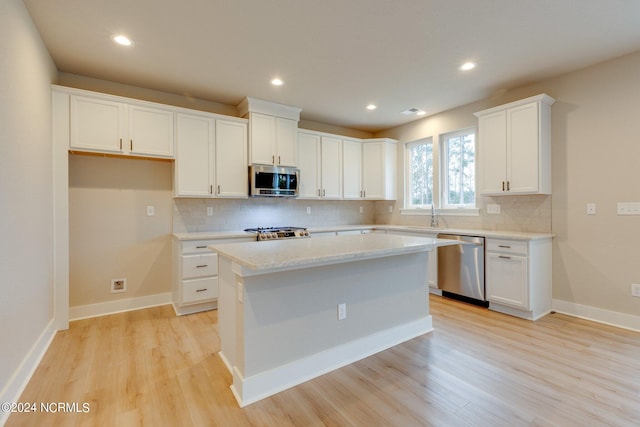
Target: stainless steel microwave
x,y
273,181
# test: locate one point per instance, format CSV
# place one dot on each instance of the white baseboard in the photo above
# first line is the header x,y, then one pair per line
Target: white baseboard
x,y
21,377
265,384
600,315
119,306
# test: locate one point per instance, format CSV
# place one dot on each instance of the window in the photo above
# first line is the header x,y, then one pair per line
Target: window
x,y
454,186
459,168
419,181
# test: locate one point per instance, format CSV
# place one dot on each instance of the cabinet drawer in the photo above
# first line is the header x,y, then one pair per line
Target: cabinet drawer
x,y
507,246
199,290
199,265
196,246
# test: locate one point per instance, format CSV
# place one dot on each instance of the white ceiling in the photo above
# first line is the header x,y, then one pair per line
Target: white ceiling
x,y
336,56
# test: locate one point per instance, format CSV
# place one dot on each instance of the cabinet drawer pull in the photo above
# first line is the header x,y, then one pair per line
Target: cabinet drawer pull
x,y
504,257
504,246
202,266
202,290
201,247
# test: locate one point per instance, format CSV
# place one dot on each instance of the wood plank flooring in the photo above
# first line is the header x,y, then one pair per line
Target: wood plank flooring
x,y
478,368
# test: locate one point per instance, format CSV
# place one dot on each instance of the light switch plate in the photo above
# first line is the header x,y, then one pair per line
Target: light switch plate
x,y
591,208
151,211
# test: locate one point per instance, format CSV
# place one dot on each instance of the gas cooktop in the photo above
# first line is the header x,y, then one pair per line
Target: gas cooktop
x,y
276,233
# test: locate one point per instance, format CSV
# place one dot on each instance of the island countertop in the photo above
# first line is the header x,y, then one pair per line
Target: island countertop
x,y
290,254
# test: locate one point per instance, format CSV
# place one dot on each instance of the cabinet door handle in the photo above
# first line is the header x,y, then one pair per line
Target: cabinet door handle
x,y
120,144
202,266
200,247
508,189
201,290
504,246
279,161
324,193
364,193
131,145
218,189
502,185
318,192
273,159
211,189
504,257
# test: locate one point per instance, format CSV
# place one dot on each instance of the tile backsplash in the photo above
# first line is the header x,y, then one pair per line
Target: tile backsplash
x,y
517,213
190,215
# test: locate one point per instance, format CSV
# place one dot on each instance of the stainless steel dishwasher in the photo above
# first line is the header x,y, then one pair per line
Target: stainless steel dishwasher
x,y
461,269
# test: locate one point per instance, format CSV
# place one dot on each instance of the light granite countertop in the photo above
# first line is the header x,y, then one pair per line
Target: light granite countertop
x,y
290,254
513,235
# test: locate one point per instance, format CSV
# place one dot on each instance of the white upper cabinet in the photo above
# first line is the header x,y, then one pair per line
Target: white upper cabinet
x,y
337,167
195,151
352,169
108,124
331,170
273,131
150,131
97,125
514,147
232,175
309,165
379,169
211,158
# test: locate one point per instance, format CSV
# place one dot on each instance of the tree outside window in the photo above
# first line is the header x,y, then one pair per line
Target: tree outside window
x,y
459,171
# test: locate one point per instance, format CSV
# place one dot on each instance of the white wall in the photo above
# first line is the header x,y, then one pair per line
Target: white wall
x,y
26,256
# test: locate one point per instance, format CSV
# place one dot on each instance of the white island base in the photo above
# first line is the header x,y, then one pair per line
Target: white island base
x,y
278,320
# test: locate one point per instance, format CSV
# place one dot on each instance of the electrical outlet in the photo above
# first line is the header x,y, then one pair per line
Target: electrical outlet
x,y
591,208
118,285
308,210
342,311
390,208
151,211
493,209
361,209
635,289
209,210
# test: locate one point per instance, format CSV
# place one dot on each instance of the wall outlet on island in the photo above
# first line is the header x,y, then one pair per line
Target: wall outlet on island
x,y
342,311
118,285
635,289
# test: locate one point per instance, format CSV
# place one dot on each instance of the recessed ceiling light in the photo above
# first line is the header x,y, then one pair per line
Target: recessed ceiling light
x,y
122,40
467,66
277,82
371,107
421,113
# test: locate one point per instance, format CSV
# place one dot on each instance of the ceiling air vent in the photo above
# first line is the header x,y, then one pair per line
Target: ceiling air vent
x,y
413,111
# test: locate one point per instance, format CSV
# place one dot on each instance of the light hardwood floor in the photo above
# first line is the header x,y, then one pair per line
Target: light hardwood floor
x,y
478,368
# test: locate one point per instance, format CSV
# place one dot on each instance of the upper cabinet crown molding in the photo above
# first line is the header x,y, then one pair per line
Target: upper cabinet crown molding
x,y
255,105
514,147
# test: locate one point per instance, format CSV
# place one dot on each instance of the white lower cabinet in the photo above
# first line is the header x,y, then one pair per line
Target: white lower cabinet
x,y
518,277
195,275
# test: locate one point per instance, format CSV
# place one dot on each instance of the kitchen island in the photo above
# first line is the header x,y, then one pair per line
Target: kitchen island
x,y
291,310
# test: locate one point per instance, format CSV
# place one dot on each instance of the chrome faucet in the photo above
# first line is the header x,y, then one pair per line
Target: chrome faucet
x,y
434,218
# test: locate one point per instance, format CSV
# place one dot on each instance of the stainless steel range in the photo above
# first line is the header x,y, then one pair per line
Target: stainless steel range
x,y
276,233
